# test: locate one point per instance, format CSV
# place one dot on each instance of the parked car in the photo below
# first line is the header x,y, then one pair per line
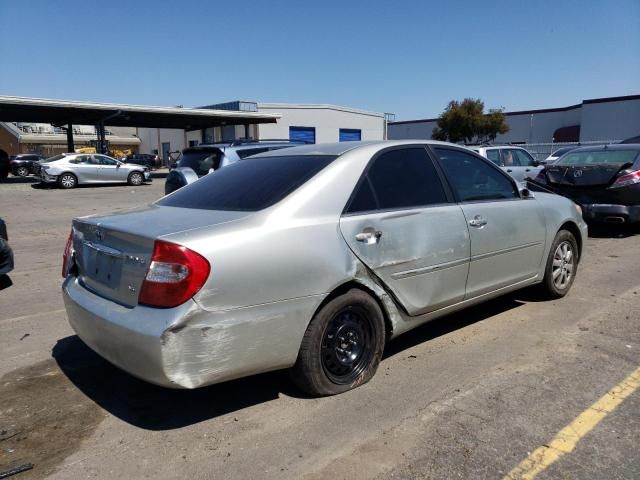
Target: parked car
x,y
4,165
145,159
310,259
604,180
196,162
553,156
6,254
516,161
25,164
71,169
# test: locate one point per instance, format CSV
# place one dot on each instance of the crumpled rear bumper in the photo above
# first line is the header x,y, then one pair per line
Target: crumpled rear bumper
x,y
611,213
186,346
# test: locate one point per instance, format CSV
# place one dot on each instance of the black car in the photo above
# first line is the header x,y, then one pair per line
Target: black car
x,y
4,165
6,256
604,180
145,159
25,164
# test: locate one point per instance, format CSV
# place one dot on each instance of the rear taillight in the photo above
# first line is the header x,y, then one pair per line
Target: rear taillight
x,y
630,178
174,276
66,256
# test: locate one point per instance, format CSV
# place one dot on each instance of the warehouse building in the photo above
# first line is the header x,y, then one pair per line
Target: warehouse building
x,y
595,120
311,123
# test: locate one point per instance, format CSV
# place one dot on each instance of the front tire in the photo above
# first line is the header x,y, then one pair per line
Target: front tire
x,y
67,181
135,179
342,346
562,265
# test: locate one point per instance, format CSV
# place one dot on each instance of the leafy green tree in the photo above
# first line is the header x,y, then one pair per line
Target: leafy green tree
x,y
466,122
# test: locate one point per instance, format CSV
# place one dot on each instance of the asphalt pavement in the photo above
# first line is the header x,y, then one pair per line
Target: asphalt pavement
x,y
471,395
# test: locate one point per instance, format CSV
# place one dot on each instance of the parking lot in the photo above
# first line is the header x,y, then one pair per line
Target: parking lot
x,y
471,395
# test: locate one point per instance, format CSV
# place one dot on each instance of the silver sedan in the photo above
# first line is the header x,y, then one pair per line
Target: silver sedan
x,y
310,259
71,169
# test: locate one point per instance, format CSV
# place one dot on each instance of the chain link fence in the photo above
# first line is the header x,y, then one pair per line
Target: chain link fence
x,y
541,151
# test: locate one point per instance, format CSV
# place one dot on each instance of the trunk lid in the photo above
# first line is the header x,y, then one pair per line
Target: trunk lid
x,y
113,252
582,175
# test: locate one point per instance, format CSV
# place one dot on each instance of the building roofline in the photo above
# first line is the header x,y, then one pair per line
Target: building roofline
x,y
319,106
540,110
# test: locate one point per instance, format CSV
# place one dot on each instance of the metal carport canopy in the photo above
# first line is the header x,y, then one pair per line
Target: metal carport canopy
x,y
63,112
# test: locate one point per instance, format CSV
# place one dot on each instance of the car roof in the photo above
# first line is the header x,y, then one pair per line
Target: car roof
x,y
340,148
615,147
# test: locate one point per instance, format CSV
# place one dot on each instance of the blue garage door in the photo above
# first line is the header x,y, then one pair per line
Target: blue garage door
x,y
302,134
350,135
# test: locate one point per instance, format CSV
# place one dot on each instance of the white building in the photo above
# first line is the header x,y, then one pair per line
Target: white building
x,y
599,119
315,123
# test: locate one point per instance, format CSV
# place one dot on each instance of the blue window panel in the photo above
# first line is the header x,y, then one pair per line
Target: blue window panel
x,y
350,135
302,134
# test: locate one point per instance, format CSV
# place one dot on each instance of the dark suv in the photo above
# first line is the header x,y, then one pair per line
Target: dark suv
x,y
144,159
25,164
6,257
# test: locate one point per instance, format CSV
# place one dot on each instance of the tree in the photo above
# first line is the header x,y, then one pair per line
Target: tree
x,y
466,122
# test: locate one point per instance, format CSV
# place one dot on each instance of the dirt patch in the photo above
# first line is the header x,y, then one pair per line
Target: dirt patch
x,y
43,418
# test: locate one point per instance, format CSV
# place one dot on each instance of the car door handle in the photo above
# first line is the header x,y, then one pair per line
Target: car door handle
x,y
477,221
509,170
369,236
527,169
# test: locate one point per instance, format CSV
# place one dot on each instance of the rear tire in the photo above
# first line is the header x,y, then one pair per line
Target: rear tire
x,y
342,346
135,179
562,265
22,171
67,181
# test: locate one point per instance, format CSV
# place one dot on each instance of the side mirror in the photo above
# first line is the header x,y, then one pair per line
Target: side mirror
x,y
525,193
173,165
536,163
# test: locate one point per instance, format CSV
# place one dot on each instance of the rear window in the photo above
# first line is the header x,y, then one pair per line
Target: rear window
x,y
616,157
200,161
250,185
53,159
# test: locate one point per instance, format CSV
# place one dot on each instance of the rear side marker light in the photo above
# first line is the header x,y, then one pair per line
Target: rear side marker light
x,y
175,275
67,254
630,178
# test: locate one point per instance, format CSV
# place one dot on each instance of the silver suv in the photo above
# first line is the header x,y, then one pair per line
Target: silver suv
x,y
198,161
516,161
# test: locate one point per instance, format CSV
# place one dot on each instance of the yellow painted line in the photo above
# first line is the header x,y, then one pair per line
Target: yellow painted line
x,y
567,438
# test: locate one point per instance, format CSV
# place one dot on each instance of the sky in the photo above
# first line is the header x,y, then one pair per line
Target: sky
x,y
404,57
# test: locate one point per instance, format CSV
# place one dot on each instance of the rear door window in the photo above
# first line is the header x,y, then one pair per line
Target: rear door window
x,y
473,179
200,161
397,179
494,156
250,185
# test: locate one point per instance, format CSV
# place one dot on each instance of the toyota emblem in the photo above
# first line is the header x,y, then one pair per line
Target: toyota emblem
x,y
577,173
99,234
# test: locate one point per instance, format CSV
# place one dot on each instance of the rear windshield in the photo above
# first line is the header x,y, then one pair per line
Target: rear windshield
x,y
561,151
249,185
616,157
53,159
201,161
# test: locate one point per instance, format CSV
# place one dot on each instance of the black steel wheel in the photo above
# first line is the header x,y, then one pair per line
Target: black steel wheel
x,y
342,346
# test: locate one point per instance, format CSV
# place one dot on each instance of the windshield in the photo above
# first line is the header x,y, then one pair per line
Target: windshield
x,y
53,159
249,185
200,161
606,157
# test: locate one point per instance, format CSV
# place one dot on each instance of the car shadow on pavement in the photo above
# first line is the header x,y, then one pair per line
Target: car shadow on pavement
x,y
456,321
156,408
19,180
613,231
152,407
